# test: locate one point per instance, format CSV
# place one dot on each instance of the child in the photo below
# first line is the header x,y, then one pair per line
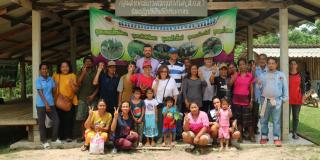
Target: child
x,y
150,127
169,123
224,115
137,111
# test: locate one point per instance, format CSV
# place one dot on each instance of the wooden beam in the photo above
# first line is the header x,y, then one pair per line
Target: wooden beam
x,y
307,5
300,15
55,17
24,3
245,5
58,6
13,32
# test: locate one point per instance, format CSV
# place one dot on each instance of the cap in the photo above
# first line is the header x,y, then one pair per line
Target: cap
x,y
208,56
173,50
111,63
223,65
146,63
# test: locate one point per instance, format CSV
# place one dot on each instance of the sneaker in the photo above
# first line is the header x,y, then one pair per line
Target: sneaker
x,y
277,143
114,151
263,141
295,136
46,145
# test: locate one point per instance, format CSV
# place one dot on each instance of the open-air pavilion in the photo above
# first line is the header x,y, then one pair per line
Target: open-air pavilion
x,y
51,30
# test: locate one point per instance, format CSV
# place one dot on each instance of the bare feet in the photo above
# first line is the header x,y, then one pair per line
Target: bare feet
x,y
221,148
163,144
147,144
153,144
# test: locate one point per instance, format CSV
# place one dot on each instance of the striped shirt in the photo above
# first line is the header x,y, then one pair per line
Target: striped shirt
x,y
177,71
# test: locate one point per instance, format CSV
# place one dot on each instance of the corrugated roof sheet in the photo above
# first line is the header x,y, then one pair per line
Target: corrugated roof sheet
x,y
293,52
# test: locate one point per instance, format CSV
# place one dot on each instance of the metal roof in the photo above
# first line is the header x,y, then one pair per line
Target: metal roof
x,y
293,52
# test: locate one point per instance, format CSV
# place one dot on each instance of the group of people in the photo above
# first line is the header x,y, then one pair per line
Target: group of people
x,y
161,102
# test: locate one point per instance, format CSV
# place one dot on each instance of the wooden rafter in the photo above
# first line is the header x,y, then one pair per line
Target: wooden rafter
x,y
14,32
300,15
307,5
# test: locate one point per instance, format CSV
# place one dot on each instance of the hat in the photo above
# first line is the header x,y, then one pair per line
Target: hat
x,y
208,56
146,63
223,65
173,50
111,63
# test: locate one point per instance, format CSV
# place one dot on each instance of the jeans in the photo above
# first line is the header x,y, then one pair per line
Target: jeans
x,y
275,113
160,122
41,112
295,109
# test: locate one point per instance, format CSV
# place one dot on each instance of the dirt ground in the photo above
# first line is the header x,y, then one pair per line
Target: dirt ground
x,y
268,153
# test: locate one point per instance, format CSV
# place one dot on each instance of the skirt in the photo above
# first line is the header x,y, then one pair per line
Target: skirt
x,y
150,126
243,114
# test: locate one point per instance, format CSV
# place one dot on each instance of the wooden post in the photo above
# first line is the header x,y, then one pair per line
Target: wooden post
x,y
73,47
23,78
250,42
36,54
284,59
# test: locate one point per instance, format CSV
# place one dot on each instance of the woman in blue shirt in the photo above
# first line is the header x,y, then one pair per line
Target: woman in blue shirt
x,y
45,105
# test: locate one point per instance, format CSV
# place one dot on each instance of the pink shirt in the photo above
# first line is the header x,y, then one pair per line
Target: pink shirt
x,y
224,118
197,124
242,84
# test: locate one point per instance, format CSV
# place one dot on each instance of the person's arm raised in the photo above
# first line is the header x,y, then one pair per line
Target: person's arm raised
x,y
115,119
99,70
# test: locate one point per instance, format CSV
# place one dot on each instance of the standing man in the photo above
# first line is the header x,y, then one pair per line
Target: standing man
x,y
221,82
108,82
274,89
208,70
147,51
260,69
176,71
87,91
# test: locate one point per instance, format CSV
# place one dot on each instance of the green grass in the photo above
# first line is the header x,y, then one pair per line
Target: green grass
x,y
309,126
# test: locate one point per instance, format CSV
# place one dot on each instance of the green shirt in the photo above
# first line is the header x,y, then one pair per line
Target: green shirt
x,y
87,87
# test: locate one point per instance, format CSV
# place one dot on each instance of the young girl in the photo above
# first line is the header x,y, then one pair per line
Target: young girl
x,y
169,123
137,111
224,115
150,127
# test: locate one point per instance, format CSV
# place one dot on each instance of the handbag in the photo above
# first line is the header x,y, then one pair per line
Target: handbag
x,y
63,102
96,145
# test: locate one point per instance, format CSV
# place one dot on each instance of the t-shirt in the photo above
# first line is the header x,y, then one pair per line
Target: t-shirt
x,y
241,89
104,121
123,127
169,117
108,90
176,71
136,109
209,91
151,106
212,115
295,93
222,87
165,91
125,86
86,87
197,124
63,82
142,81
46,85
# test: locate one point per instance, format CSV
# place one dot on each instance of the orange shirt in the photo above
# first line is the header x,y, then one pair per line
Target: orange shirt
x,y
63,84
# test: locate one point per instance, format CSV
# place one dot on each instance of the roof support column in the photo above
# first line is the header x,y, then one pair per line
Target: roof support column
x,y
36,55
23,78
73,47
250,42
284,59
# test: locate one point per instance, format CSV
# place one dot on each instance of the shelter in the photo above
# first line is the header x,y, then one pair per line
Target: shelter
x,y
51,30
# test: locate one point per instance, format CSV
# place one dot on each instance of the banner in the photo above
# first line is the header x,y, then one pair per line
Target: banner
x,y
8,73
115,38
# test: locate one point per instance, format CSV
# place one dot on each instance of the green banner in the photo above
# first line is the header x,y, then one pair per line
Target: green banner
x,y
8,73
116,38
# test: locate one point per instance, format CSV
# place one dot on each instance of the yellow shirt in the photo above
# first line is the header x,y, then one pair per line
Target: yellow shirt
x,y
104,121
63,81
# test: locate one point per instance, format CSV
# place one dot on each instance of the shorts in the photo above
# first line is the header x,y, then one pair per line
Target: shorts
x,y
168,130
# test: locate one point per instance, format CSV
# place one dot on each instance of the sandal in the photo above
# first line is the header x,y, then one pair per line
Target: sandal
x,y
163,144
84,148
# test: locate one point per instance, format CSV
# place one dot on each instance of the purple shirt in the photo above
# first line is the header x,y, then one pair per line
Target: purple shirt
x,y
154,64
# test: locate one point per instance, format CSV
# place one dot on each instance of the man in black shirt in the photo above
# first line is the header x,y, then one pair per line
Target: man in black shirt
x,y
221,82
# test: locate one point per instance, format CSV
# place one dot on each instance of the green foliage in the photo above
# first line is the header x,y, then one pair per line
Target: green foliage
x,y
239,49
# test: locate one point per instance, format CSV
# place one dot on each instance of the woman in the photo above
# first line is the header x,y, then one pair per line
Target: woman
x,y
193,86
98,122
45,106
296,92
143,80
122,128
213,119
195,126
163,86
243,97
67,86
125,86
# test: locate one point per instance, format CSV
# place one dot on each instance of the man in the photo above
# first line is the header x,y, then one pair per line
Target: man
x,y
274,90
176,71
221,82
147,51
258,71
208,70
87,91
108,82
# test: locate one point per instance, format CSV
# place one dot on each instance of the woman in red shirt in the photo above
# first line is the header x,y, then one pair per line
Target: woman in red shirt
x,y
296,91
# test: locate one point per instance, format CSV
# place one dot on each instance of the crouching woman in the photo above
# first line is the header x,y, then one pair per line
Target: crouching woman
x,y
196,124
98,122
